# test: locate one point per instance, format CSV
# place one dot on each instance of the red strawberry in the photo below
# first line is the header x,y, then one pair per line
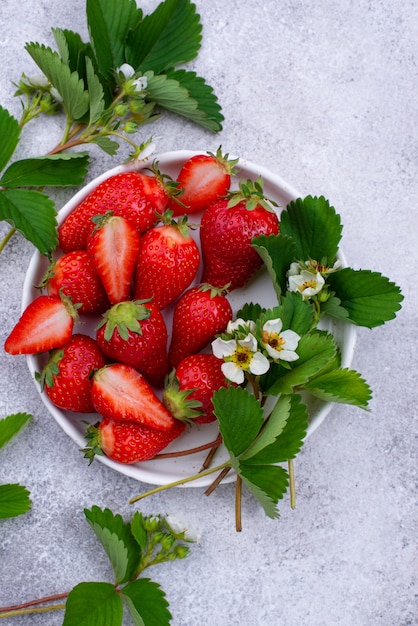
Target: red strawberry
x,y
128,442
66,378
46,323
135,333
227,229
200,313
121,393
168,262
133,195
74,274
113,246
203,179
191,387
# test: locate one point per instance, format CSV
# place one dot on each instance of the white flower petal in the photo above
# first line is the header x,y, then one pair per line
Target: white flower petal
x,y
259,364
273,326
232,372
290,338
250,343
127,70
294,269
288,355
222,348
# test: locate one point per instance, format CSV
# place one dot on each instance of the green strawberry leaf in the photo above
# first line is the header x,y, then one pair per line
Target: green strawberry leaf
x,y
117,540
9,133
96,94
147,603
93,604
268,483
315,349
11,425
60,170
342,385
106,144
109,24
14,500
250,312
139,531
289,441
73,51
314,226
272,428
68,84
333,308
277,252
296,314
186,94
33,214
369,298
154,44
240,417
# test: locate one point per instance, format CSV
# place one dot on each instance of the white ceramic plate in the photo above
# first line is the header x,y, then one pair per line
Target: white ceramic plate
x,y
162,471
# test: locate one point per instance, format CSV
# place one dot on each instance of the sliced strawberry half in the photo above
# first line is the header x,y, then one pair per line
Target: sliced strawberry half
x,y
121,393
46,323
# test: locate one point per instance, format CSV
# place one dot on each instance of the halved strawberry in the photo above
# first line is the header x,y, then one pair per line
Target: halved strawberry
x,y
113,246
121,393
200,314
75,276
133,195
128,442
46,323
135,333
168,261
67,376
203,179
190,388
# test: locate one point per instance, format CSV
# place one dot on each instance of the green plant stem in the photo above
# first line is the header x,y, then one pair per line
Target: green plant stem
x,y
292,489
6,239
238,500
177,483
25,605
39,609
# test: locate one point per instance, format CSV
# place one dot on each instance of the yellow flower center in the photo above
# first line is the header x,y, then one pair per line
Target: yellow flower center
x,y
308,283
274,340
242,357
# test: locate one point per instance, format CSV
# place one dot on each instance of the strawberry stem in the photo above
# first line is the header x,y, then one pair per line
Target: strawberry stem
x,y
25,605
217,480
177,483
238,499
202,448
292,489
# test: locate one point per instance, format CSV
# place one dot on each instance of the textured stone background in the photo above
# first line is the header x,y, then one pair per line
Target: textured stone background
x,y
324,94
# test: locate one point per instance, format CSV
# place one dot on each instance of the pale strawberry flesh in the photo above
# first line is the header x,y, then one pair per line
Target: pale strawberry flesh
x,y
45,324
119,392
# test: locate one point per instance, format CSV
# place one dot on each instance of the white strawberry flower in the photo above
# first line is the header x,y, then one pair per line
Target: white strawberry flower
x,y
126,70
307,283
178,527
127,73
280,345
234,325
239,357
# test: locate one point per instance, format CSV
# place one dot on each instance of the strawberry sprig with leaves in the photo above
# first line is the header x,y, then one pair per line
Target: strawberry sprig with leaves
x,y
277,355
132,547
107,88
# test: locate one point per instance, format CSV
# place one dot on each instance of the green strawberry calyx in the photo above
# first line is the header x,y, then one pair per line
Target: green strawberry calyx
x,y
93,448
178,401
251,193
124,317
